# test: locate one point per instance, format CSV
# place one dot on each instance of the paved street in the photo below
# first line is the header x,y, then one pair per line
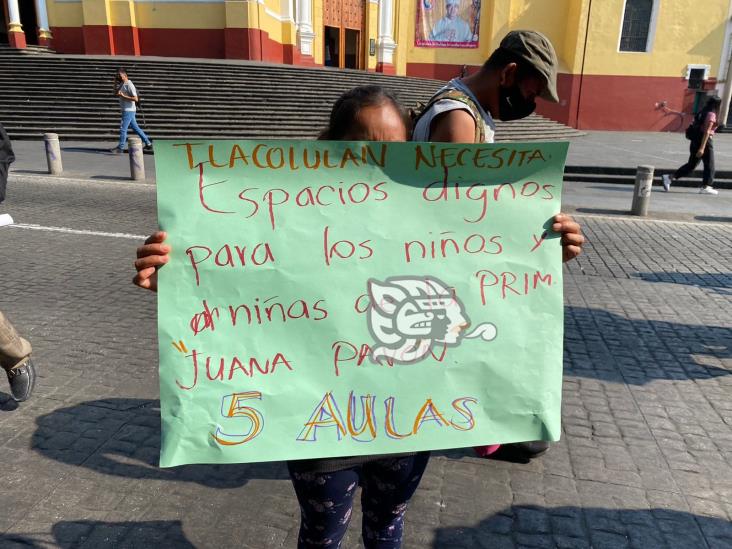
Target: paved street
x,y
645,459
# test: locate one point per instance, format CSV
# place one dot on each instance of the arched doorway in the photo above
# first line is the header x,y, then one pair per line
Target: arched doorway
x,y
343,33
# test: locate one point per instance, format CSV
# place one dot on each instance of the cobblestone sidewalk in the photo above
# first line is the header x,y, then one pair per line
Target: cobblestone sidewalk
x,y
645,459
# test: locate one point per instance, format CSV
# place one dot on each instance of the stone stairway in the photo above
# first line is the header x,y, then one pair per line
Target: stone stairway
x,y
73,96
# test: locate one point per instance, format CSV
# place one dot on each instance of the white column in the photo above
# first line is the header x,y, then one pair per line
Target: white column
x,y
385,44
14,16
304,22
42,15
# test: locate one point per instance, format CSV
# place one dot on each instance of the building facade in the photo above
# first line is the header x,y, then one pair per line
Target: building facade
x,y
624,64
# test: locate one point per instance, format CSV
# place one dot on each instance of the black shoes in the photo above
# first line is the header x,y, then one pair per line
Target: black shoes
x,y
148,148
532,449
117,150
22,380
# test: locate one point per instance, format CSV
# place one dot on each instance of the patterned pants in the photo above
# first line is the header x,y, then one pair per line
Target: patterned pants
x,y
13,348
326,501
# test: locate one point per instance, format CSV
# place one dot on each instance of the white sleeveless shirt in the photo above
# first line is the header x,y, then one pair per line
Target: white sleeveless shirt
x,y
422,129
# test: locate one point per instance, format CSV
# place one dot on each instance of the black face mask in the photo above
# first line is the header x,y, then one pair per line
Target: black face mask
x,y
513,105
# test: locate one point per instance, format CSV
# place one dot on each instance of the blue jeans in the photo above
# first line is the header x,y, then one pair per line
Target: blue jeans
x,y
326,501
129,121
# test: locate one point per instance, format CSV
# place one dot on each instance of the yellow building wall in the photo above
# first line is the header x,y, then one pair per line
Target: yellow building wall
x,y
65,14
685,33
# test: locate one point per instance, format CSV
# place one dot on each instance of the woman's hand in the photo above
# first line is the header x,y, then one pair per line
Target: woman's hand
x,y
700,153
572,238
150,257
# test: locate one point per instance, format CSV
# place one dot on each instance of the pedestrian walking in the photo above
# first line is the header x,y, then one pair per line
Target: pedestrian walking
x,y
128,100
325,488
701,147
14,350
522,68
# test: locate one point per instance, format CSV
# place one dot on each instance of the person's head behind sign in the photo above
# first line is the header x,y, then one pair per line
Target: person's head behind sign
x,y
367,113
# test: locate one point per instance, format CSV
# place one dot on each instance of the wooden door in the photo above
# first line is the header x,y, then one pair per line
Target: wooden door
x,y
344,15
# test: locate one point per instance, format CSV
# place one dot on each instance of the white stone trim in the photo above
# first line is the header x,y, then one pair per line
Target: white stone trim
x,y
707,70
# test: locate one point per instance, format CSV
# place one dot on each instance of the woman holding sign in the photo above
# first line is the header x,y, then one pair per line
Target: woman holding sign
x,y
325,488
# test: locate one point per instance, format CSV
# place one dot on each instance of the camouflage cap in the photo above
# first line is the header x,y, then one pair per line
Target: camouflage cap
x,y
535,48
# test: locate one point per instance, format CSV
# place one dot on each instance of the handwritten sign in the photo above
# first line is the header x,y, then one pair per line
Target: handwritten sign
x,y
337,298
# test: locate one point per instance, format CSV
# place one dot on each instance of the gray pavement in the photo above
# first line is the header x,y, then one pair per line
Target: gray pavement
x,y
666,151
645,459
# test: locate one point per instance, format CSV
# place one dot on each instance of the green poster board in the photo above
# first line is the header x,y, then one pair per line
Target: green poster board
x,y
337,298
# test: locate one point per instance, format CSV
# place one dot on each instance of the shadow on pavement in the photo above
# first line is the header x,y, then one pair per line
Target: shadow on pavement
x,y
579,527
127,179
713,218
600,211
602,345
31,172
89,534
92,150
720,283
621,187
121,437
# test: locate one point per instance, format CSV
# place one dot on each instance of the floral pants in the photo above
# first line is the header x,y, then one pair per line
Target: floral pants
x,y
326,501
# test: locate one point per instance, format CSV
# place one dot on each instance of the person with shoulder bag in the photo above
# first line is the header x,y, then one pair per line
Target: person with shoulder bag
x,y
700,134
128,99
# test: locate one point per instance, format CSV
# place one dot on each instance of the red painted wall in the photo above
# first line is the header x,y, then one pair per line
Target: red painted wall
x,y
183,42
98,39
68,39
250,44
126,40
566,110
438,72
628,103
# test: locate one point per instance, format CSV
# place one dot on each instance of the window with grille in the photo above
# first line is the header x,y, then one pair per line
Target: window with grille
x,y
636,25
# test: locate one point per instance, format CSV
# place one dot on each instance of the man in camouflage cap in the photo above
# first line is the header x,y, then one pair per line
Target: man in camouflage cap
x,y
522,68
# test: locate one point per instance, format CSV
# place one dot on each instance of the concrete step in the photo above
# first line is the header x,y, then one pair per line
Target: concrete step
x,y
626,176
71,96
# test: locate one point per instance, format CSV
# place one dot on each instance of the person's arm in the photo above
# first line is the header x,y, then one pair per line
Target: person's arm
x,y
708,130
455,126
128,97
152,255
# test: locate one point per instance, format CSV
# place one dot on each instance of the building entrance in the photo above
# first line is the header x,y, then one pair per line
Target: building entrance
x,y
343,33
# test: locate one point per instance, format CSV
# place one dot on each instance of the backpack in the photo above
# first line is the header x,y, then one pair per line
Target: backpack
x,y
695,128
456,95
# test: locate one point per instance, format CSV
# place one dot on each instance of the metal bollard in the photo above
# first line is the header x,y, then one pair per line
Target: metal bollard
x,y
642,190
53,153
137,160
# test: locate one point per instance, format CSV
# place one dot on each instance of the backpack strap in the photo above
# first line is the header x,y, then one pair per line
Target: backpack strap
x,y
462,97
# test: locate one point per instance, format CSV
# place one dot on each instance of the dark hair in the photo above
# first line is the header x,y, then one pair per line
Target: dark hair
x,y
713,103
122,70
344,114
502,57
